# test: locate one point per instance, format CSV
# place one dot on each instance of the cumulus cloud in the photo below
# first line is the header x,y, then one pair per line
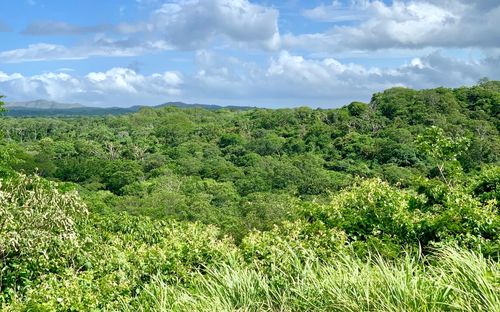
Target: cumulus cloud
x,y
304,68
117,86
407,24
49,85
358,25
128,81
437,69
192,24
180,24
318,76
288,79
291,79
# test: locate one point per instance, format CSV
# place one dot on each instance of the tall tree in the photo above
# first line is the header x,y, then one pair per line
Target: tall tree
x,y
2,109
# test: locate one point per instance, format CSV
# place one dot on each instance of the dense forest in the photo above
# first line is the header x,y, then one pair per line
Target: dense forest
x,y
392,205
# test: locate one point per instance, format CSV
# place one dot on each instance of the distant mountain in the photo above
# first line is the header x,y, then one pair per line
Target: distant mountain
x,y
42,104
49,108
204,106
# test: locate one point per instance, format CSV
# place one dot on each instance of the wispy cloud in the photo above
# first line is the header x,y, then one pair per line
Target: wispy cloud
x,y
338,12
50,28
99,46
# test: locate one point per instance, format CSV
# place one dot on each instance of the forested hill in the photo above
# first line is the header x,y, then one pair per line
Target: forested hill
x,y
260,209
358,139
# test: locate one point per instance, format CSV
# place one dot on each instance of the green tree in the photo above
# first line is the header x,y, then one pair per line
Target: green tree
x,y
120,173
2,109
37,228
5,156
443,151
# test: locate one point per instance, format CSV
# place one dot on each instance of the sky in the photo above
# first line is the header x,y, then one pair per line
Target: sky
x,y
266,53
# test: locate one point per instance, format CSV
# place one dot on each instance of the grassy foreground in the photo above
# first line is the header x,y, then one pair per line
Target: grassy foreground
x,y
455,280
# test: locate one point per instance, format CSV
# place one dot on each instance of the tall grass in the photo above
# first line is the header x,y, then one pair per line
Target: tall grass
x,y
451,280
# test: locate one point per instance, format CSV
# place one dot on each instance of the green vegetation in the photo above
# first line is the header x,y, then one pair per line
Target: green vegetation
x,y
386,206
459,281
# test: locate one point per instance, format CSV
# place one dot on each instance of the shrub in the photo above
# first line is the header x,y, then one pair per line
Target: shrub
x,y
37,229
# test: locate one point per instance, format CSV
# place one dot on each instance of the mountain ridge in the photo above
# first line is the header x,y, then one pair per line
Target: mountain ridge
x,y
52,108
43,104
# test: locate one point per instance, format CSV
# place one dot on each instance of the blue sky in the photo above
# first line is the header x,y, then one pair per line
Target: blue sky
x,y
241,52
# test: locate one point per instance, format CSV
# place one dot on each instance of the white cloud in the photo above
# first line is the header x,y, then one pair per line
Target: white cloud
x,y
201,24
128,81
48,85
117,86
180,24
406,24
48,28
37,52
65,69
291,79
288,79
337,12
60,28
99,46
293,76
191,24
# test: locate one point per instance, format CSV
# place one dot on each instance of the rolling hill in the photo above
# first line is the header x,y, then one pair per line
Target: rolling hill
x,y
41,104
51,108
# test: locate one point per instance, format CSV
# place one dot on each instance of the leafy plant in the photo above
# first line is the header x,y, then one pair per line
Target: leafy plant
x,y
37,229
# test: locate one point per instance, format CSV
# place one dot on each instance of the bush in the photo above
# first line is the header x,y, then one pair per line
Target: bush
x,y
37,229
